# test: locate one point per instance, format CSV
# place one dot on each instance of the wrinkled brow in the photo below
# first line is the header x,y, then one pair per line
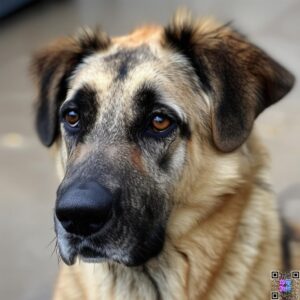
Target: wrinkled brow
x,y
150,97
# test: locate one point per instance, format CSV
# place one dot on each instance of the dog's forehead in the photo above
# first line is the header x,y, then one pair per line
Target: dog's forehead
x,y
116,66
129,63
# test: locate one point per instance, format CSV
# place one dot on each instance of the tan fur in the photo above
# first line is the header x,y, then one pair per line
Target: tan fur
x,y
141,35
223,234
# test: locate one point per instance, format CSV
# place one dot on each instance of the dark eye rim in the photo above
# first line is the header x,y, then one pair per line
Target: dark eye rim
x,y
150,132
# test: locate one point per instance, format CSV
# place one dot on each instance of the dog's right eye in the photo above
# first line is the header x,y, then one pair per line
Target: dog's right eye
x,y
160,123
72,118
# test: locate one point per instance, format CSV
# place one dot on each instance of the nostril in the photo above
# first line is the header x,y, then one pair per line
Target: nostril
x,y
85,208
81,221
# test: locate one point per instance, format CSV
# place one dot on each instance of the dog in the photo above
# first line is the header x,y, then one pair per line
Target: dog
x,y
164,192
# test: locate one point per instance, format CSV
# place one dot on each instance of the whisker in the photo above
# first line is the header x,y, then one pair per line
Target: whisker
x,y
51,242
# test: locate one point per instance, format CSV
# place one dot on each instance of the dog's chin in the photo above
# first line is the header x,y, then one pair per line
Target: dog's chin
x,y
87,253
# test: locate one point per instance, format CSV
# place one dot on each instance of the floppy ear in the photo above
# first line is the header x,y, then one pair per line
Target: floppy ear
x,y
51,68
241,79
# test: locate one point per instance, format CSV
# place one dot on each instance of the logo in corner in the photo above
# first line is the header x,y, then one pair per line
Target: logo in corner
x,y
285,285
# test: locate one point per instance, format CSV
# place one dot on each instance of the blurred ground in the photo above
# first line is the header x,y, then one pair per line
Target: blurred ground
x,y
27,175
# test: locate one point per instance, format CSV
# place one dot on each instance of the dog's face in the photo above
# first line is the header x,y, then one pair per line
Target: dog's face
x,y
125,114
124,145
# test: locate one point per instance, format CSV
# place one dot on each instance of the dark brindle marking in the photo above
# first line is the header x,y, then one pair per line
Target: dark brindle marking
x,y
183,42
125,60
85,101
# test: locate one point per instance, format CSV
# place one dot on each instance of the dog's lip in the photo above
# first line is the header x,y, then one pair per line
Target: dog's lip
x,y
78,248
69,259
97,259
83,252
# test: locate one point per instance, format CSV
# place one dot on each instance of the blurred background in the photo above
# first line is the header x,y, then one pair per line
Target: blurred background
x,y
27,175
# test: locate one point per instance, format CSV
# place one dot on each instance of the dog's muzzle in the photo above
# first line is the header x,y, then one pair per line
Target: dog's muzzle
x,y
84,208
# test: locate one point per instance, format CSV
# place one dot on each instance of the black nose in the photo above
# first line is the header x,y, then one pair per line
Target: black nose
x,y
84,208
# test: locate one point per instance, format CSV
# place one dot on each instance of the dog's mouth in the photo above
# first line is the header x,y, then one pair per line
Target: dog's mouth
x,y
80,250
87,253
73,248
86,248
132,249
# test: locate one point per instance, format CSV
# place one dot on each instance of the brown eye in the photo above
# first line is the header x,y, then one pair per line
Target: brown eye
x,y
160,122
72,118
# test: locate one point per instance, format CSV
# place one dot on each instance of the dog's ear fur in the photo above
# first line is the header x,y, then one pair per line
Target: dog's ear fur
x,y
240,78
51,68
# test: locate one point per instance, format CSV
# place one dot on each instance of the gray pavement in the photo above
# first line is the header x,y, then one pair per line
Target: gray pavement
x,y
27,175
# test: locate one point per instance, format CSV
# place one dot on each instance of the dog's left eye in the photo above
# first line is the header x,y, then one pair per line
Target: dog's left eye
x,y
160,125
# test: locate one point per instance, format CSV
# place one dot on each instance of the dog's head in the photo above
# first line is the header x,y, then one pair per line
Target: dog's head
x,y
130,117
